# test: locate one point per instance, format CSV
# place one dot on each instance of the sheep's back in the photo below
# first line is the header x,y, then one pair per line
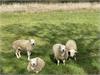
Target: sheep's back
x,y
23,44
56,49
40,65
71,44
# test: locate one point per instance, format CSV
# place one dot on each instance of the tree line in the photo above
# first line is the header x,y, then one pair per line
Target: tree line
x,y
46,1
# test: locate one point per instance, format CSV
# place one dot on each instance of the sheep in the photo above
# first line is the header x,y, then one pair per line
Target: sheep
x,y
23,45
59,53
35,65
71,48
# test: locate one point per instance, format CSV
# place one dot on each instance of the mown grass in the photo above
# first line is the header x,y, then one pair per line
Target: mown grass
x,y
48,28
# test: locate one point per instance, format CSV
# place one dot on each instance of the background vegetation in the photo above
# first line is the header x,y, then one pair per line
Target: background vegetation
x,y
48,28
46,1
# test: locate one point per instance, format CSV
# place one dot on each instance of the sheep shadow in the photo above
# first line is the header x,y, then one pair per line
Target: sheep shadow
x,y
52,58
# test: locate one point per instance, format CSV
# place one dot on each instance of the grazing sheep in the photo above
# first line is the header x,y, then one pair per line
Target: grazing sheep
x,y
59,53
71,47
23,45
35,65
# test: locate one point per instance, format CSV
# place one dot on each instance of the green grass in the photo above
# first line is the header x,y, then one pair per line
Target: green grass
x,y
48,28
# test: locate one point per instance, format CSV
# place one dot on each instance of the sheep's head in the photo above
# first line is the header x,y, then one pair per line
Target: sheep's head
x,y
33,62
62,48
72,52
32,41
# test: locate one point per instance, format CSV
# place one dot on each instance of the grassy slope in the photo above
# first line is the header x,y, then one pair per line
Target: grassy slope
x,y
49,28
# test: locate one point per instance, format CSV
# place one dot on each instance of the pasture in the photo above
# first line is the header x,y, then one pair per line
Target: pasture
x,y
48,28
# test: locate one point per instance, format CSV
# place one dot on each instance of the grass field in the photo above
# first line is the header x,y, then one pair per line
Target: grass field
x,y
48,28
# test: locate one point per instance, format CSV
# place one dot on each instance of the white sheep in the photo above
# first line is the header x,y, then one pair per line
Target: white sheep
x,y
35,65
71,47
59,53
23,45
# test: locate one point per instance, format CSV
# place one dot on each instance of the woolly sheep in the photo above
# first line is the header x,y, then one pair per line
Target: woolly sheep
x,y
71,47
23,45
35,65
59,53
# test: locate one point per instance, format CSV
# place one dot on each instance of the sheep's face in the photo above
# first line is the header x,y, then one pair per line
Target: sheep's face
x,y
62,48
32,41
72,52
33,62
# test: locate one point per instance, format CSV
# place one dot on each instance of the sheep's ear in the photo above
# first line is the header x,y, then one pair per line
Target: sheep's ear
x,y
66,48
37,60
66,43
29,40
59,47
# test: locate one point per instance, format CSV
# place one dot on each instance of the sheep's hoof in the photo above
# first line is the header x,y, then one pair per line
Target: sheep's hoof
x,y
58,62
18,57
64,62
28,59
37,72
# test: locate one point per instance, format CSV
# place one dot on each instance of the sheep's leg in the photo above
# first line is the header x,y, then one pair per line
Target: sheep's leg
x,y
17,55
37,72
58,62
32,68
64,62
28,53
